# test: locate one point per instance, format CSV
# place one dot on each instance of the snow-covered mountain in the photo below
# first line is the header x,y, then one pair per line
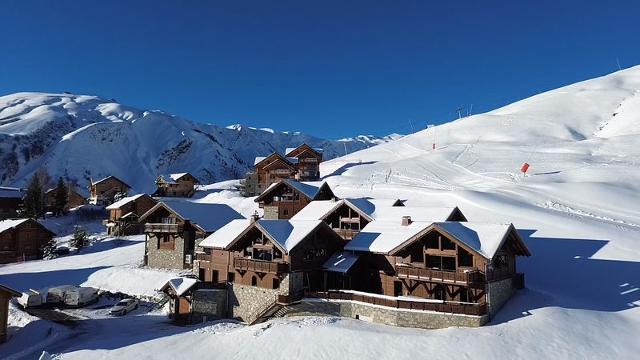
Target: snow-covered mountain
x,y
81,137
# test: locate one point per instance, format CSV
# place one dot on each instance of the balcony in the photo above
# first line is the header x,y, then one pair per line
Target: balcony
x,y
346,234
470,277
203,256
260,265
163,228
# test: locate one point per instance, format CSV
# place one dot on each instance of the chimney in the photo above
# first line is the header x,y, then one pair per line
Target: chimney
x,y
406,220
254,217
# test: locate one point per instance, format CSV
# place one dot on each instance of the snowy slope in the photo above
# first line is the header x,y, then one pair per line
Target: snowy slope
x,y
577,210
82,137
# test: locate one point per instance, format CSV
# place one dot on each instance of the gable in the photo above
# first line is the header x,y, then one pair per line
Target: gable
x,y
303,150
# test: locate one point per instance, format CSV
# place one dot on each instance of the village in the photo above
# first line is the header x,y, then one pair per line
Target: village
x,y
303,251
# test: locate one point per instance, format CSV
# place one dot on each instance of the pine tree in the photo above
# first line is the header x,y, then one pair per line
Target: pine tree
x,y
34,198
49,250
61,197
79,238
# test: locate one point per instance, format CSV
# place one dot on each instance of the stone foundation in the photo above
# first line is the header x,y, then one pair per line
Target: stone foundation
x,y
247,303
384,315
209,304
498,292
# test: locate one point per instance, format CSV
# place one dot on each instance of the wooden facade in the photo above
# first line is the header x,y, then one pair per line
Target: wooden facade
x,y
308,162
124,219
74,199
254,258
103,192
6,294
10,202
176,185
284,199
22,240
347,220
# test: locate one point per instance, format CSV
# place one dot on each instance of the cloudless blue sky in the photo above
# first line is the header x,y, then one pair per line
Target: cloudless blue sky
x,y
327,68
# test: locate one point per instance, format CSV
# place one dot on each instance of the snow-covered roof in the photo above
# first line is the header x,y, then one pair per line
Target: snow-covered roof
x,y
172,178
8,224
9,192
316,210
288,233
484,238
124,201
258,159
305,188
209,217
417,213
288,150
341,261
226,234
180,285
109,177
385,236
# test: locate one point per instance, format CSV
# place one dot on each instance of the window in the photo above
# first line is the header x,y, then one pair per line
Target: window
x,y
500,262
254,281
464,295
166,242
464,258
447,244
275,284
285,212
432,243
397,288
231,277
447,263
439,292
214,276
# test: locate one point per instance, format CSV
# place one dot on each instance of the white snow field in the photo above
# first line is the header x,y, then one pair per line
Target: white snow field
x,y
578,210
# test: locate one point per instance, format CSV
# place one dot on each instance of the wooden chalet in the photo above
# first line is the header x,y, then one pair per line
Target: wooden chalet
x,y
125,213
180,293
308,162
268,170
471,266
176,185
10,202
172,229
6,294
104,191
286,198
263,253
22,239
74,199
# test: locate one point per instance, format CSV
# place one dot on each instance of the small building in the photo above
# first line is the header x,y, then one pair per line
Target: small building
x,y
10,202
74,199
125,213
104,191
286,198
173,229
176,185
22,239
6,294
308,162
180,293
268,262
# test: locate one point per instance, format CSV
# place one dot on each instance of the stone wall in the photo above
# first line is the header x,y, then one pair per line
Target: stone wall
x,y
271,212
247,302
163,258
384,315
209,304
498,292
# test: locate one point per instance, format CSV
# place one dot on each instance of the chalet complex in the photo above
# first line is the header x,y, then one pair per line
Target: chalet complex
x,y
10,202
176,185
125,213
103,192
173,228
301,163
374,259
22,239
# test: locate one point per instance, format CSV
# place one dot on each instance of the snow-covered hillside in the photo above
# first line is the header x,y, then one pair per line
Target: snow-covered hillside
x,y
82,137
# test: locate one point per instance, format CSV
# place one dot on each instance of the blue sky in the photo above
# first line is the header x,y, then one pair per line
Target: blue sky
x,y
328,68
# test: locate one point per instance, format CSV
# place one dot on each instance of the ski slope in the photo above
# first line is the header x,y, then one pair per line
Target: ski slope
x,y
576,208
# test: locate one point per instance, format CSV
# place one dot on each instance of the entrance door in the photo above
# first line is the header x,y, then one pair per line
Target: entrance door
x,y
201,274
397,288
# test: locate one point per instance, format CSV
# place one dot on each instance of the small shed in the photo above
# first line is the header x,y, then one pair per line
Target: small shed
x,y
6,294
180,291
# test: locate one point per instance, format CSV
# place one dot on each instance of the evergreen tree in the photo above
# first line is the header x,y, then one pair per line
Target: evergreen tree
x,y
34,198
49,250
61,197
80,238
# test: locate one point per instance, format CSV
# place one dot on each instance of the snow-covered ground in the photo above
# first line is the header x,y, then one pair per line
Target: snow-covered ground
x,y
577,210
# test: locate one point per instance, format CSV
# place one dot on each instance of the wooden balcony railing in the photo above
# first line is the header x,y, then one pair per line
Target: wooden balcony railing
x,y
203,257
450,307
260,265
347,234
162,228
469,277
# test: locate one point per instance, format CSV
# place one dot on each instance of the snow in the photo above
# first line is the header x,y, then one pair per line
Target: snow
x,y
226,234
9,192
484,238
341,261
382,236
316,210
124,201
8,224
180,284
575,210
209,216
286,233
306,188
